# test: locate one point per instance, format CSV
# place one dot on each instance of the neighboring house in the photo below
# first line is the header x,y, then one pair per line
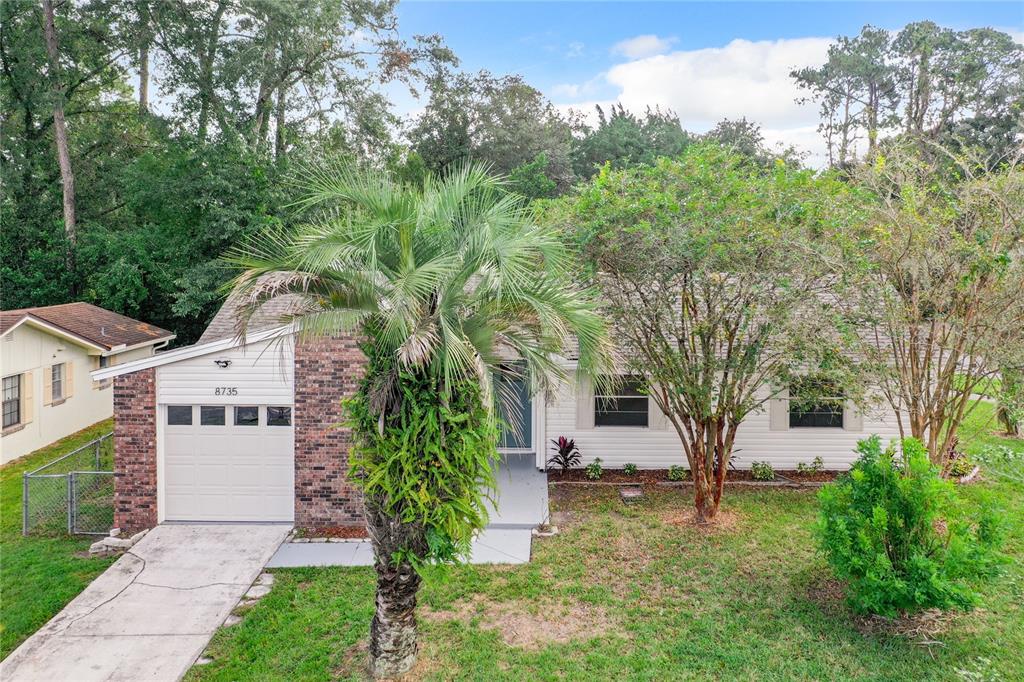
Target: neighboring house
x,y
46,355
232,431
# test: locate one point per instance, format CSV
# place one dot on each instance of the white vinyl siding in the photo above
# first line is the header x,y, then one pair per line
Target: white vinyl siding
x,y
654,448
260,373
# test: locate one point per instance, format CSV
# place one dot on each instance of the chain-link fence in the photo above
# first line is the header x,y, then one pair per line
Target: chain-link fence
x,y
72,494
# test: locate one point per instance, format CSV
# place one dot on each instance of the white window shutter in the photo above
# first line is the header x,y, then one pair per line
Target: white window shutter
x,y
656,419
69,379
853,418
778,411
48,385
27,397
584,403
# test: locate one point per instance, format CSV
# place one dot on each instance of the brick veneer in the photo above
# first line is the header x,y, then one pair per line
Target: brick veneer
x,y
326,371
135,450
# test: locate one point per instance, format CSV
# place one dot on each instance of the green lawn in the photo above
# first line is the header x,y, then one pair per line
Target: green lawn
x,y
39,575
629,593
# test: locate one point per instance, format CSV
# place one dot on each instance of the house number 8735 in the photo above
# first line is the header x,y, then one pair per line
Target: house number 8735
x,y
226,390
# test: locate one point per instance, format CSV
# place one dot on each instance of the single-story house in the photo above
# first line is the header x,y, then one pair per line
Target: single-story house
x,y
231,431
46,354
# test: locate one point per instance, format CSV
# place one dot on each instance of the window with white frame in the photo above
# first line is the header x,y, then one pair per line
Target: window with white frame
x,y
625,403
815,404
12,400
57,381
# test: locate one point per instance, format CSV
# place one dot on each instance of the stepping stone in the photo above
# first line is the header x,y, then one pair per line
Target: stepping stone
x,y
631,495
265,579
232,620
257,592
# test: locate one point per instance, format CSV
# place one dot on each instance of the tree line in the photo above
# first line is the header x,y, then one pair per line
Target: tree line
x,y
143,138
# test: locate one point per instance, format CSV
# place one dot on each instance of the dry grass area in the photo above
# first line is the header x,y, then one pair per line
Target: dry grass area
x,y
529,625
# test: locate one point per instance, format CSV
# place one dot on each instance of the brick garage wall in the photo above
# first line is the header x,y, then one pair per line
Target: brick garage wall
x,y
326,371
135,450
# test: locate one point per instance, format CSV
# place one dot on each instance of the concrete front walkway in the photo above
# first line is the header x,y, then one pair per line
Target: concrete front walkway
x,y
521,505
151,614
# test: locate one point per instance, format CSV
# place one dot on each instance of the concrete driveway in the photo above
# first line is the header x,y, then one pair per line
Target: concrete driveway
x,y
150,615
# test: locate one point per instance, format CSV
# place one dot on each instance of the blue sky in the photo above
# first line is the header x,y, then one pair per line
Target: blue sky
x,y
704,60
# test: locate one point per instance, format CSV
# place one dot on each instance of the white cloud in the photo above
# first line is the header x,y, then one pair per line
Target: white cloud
x,y
742,78
575,49
639,47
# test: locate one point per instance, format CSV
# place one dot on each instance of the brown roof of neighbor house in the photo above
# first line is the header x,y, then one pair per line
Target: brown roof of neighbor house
x,y
96,325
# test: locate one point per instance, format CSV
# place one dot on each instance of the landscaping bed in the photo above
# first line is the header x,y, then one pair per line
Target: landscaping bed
x,y
336,532
655,476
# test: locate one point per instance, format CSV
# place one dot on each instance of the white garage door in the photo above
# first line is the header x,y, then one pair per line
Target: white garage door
x,y
228,462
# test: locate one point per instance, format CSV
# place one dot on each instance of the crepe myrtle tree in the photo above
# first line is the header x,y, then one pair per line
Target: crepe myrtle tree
x,y
713,287
935,270
443,284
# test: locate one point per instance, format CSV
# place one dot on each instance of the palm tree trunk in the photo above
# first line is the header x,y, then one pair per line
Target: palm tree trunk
x,y
393,644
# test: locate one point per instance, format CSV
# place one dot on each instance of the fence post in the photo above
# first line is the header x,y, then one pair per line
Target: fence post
x,y
71,503
97,465
24,504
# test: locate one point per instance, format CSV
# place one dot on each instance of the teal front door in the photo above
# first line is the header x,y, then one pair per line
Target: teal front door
x,y
517,418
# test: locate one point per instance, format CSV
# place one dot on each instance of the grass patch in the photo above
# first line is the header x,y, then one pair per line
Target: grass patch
x,y
668,601
39,575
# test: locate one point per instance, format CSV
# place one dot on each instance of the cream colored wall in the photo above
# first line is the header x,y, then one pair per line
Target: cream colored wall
x,y
29,349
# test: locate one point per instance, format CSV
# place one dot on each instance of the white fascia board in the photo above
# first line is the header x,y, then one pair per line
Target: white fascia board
x,y
187,352
116,350
56,331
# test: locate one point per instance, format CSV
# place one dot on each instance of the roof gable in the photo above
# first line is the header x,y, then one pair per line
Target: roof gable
x,y
97,327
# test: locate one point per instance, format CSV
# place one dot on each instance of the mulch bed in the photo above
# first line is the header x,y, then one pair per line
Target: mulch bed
x,y
655,476
351,532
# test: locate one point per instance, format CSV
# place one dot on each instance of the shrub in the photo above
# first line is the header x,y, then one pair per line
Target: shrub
x,y
960,466
895,530
566,456
762,471
629,469
816,465
594,470
677,473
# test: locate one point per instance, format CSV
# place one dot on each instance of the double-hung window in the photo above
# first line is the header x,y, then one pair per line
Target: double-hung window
x,y
57,381
624,404
823,409
12,400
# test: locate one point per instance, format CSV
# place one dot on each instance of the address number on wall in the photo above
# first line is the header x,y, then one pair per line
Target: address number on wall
x,y
226,390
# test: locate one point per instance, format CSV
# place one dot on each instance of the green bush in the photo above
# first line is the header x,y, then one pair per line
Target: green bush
x,y
762,471
896,531
629,469
594,470
677,473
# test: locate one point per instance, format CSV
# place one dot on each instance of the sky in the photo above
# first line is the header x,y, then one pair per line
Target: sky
x,y
705,61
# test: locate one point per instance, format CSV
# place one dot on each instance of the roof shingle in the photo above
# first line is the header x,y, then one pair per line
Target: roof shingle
x,y
97,325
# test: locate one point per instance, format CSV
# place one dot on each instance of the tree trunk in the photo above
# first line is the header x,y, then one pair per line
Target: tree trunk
x,y
1011,402
60,130
144,41
393,645
279,123
206,89
144,78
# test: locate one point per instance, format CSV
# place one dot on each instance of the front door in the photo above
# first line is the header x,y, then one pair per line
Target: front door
x,y
517,418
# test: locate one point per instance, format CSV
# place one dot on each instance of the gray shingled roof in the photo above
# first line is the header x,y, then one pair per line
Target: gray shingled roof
x,y
271,314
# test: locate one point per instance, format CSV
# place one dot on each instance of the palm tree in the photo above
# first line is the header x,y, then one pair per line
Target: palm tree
x,y
450,288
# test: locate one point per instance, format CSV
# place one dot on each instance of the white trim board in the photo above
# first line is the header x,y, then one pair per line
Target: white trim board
x,y
187,352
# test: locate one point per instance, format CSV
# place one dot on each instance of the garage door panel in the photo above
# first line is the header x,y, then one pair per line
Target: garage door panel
x,y
229,473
